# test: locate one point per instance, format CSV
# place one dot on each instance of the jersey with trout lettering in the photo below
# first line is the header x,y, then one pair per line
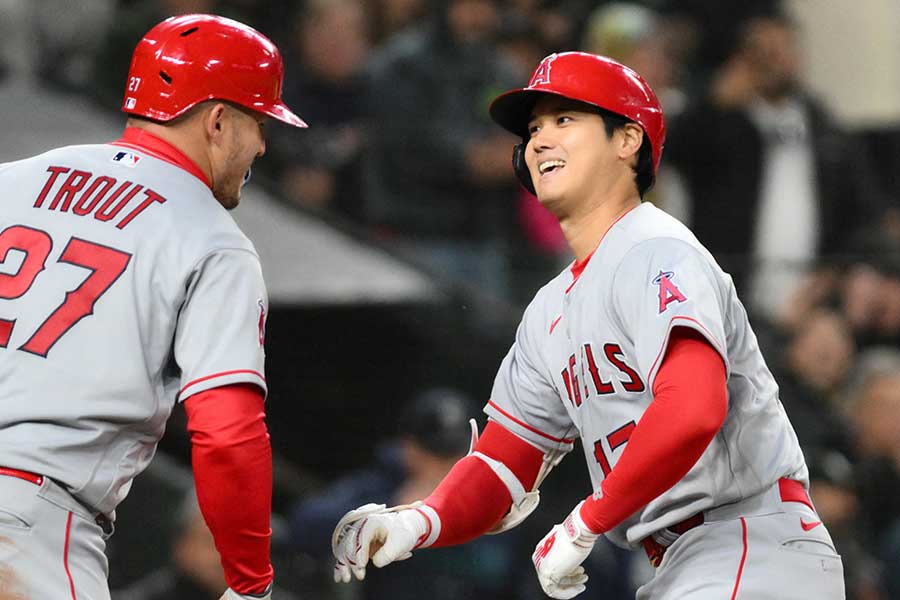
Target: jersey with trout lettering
x,y
590,344
124,285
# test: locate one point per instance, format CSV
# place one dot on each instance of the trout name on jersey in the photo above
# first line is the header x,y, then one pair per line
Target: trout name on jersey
x,y
574,379
104,197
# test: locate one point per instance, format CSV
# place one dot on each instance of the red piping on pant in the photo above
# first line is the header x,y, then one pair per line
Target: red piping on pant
x,y
66,556
740,572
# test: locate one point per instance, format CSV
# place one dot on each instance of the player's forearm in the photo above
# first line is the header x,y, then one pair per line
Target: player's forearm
x,y
232,460
690,404
471,499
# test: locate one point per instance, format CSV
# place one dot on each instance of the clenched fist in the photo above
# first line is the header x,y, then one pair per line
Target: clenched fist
x,y
557,558
376,532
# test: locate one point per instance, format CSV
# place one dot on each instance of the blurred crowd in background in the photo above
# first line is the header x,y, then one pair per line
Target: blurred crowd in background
x,y
782,155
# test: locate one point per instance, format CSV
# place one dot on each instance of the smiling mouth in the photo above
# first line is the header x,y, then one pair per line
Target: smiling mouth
x,y
551,166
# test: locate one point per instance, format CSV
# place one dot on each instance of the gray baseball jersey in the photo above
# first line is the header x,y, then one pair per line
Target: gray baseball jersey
x,y
587,352
125,285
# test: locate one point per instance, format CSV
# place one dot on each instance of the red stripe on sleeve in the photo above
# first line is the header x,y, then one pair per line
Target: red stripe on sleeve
x,y
232,461
471,499
690,402
529,427
222,374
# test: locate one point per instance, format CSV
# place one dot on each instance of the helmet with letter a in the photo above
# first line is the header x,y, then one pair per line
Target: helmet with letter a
x,y
595,80
189,59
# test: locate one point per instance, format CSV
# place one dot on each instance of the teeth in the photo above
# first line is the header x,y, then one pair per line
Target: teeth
x,y
546,166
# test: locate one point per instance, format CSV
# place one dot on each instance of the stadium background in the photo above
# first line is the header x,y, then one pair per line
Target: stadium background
x,y
399,251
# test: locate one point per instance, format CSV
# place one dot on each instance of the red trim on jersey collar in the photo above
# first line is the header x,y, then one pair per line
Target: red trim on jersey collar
x,y
155,146
579,265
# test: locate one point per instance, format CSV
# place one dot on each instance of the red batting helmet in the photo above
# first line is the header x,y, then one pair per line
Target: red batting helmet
x,y
192,58
591,79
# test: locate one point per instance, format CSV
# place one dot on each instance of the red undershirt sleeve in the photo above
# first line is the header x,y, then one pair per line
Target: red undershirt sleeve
x,y
471,499
232,462
690,402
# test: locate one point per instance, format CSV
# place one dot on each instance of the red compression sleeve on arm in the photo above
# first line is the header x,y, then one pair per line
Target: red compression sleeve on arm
x,y
690,402
471,498
232,461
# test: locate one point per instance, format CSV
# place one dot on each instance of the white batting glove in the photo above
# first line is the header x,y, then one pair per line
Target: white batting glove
x,y
230,594
557,558
373,530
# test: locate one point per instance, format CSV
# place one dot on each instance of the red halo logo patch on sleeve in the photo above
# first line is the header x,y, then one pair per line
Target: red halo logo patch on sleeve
x,y
262,322
668,291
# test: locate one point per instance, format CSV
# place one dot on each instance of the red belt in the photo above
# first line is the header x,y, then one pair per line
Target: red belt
x,y
31,477
789,489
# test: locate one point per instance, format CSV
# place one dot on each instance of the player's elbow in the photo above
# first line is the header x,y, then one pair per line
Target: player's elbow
x,y
710,421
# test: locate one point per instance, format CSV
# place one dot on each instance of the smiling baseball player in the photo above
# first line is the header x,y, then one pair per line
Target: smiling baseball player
x,y
126,286
643,351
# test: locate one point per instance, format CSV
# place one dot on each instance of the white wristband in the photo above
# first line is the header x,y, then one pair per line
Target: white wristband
x,y
434,525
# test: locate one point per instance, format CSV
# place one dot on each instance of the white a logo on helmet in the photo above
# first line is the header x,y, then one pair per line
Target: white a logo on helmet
x,y
542,73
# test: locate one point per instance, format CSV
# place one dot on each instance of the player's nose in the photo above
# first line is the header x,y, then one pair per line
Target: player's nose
x,y
542,140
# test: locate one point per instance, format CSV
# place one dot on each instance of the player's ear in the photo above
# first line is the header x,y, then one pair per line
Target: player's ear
x,y
214,120
632,136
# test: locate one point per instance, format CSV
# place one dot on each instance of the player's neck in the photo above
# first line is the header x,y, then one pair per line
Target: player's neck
x,y
585,230
185,141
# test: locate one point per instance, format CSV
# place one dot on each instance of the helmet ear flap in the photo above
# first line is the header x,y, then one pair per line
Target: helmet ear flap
x,y
521,169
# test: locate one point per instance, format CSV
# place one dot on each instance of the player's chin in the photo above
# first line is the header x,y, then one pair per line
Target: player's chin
x,y
228,199
547,195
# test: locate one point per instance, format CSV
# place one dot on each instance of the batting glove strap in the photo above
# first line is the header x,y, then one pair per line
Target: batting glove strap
x,y
577,530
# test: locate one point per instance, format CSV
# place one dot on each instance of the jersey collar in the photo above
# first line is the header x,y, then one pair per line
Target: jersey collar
x,y
579,266
138,139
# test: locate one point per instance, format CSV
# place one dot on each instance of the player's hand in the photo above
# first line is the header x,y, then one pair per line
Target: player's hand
x,y
376,532
557,558
230,594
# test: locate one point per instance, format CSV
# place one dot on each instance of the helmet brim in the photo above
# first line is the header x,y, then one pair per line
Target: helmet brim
x,y
285,115
512,110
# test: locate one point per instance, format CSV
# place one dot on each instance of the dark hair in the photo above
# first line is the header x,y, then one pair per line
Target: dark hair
x,y
643,170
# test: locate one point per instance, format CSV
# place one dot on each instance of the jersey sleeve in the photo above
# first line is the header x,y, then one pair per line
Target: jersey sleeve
x,y
220,333
664,283
524,401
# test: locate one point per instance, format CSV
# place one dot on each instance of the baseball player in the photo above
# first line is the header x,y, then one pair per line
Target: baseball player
x,y
126,287
643,351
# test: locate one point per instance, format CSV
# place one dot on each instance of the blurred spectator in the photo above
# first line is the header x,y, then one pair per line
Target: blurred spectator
x,y
434,434
635,36
865,286
194,571
772,183
858,78
390,17
708,29
811,377
558,23
322,170
871,289
876,417
833,491
440,179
